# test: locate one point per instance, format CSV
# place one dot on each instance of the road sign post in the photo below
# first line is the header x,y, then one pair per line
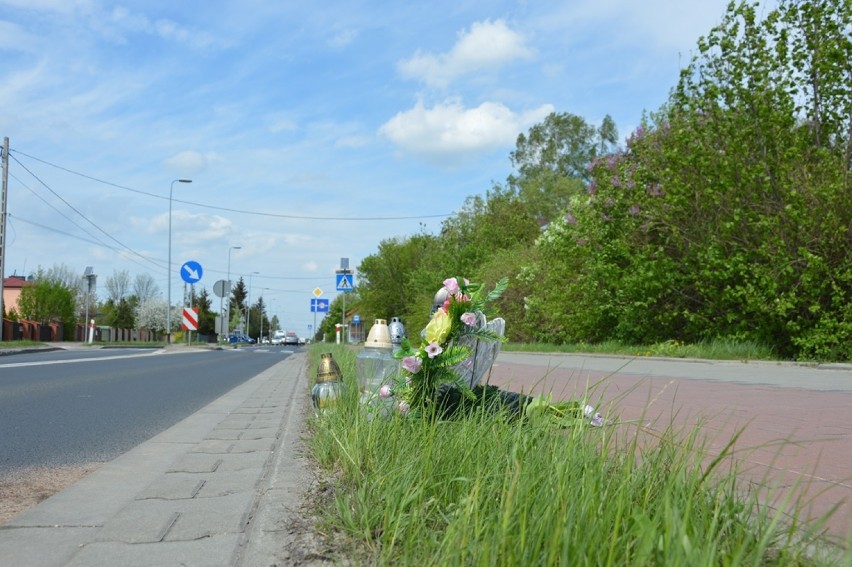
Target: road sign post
x,y
345,283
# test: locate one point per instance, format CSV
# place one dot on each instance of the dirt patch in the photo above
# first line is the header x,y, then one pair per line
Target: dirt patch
x,y
21,490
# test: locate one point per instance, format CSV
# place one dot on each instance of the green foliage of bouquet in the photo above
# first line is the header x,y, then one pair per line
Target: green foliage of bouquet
x,y
436,361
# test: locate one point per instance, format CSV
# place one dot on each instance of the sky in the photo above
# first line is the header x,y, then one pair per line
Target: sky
x,y
311,131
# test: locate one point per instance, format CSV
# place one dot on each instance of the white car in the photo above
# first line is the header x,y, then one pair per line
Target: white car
x,y
278,337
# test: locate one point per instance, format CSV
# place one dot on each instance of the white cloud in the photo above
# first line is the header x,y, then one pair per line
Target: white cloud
x,y
449,131
189,162
343,38
282,124
487,46
134,22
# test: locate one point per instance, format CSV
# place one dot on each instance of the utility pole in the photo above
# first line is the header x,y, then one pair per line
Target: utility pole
x,y
5,160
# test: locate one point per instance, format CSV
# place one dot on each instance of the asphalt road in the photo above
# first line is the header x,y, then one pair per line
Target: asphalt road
x,y
75,407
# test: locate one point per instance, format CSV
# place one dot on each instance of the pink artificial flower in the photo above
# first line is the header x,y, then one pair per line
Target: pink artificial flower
x,y
446,306
403,407
385,391
434,349
468,318
452,285
412,364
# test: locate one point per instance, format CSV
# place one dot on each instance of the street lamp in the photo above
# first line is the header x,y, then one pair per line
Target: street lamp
x,y
90,276
169,292
228,312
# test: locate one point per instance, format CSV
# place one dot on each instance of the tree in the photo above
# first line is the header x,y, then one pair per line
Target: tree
x,y
121,315
144,287
47,299
237,303
553,160
258,316
151,314
117,286
727,215
206,316
390,281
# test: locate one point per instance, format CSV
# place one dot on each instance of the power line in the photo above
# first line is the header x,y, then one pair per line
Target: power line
x,y
70,206
66,217
80,238
227,209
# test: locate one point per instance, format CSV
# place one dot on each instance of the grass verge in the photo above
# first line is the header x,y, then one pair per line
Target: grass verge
x,y
485,491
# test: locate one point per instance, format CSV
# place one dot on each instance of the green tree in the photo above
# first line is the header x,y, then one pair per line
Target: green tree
x,y
727,214
552,160
237,302
258,315
388,281
121,315
206,316
48,299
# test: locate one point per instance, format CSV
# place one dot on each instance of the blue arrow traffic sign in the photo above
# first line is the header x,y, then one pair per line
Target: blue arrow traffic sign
x,y
191,271
344,282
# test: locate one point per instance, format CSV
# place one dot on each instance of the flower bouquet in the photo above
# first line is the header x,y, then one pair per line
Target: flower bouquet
x,y
459,345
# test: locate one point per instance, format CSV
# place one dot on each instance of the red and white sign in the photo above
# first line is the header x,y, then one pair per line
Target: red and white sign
x,y
190,319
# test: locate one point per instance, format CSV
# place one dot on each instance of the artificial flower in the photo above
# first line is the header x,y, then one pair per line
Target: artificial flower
x,y
468,318
403,407
452,285
412,364
439,327
433,350
385,391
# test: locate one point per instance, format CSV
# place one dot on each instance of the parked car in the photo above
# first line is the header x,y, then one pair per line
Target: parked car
x,y
240,338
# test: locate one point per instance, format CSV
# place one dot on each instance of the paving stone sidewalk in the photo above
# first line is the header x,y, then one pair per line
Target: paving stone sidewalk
x,y
796,420
215,489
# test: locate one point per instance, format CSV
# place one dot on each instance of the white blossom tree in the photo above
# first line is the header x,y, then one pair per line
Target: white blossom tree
x,y
151,315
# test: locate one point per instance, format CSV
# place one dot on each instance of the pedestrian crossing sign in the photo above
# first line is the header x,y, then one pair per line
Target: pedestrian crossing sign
x,y
344,282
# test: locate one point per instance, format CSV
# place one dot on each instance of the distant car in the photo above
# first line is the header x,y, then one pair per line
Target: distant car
x,y
291,338
278,337
240,338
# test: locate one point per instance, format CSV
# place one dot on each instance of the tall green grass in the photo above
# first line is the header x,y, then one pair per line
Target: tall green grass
x,y
482,490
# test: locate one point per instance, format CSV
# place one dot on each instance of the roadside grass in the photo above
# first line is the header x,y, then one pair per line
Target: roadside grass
x,y
715,349
20,344
482,490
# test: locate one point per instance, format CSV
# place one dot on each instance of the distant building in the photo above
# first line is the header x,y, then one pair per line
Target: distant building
x,y
12,287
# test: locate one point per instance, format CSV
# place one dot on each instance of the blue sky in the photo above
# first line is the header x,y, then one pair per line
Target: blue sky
x,y
310,131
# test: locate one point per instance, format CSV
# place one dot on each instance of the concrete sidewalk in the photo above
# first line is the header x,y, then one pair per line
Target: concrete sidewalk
x,y
796,420
219,488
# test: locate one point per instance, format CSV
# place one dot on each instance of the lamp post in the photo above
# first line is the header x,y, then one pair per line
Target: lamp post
x,y
228,311
248,311
89,275
169,292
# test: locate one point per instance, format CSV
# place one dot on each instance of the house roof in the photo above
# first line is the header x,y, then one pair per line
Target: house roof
x,y
14,282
